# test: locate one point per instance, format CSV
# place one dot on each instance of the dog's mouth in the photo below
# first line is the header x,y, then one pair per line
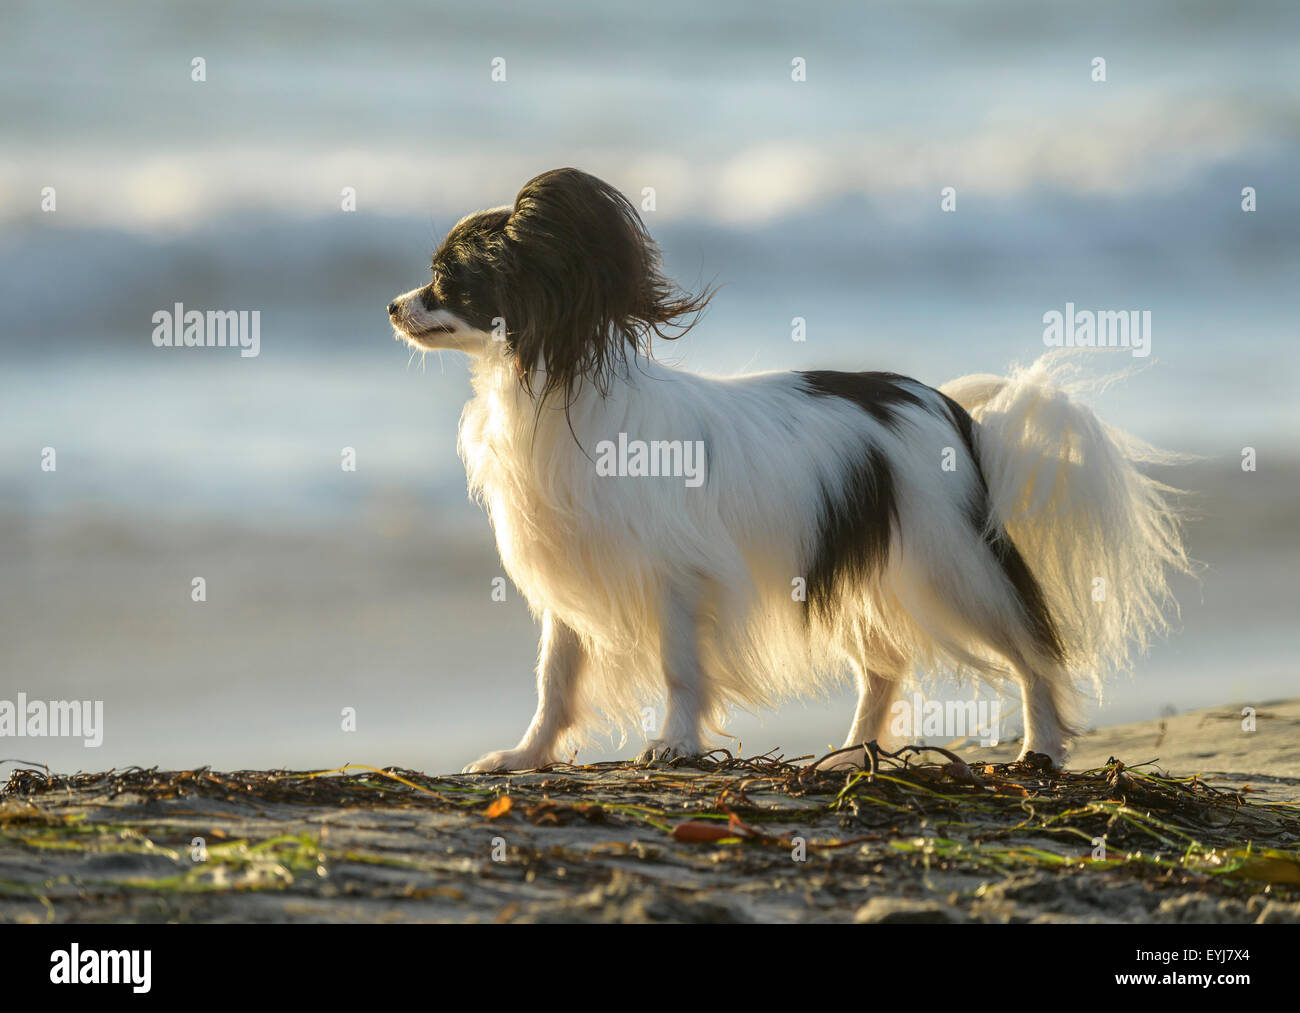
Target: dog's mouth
x,y
405,331
432,329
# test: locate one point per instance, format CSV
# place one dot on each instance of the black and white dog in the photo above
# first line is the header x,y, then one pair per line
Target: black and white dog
x,y
831,522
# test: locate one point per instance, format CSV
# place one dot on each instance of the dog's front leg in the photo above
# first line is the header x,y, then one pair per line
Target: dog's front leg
x,y
560,663
684,678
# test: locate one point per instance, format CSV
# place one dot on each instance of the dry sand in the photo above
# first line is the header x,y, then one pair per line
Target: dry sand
x,y
1211,742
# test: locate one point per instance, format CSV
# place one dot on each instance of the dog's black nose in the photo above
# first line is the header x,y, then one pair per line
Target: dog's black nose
x,y
392,308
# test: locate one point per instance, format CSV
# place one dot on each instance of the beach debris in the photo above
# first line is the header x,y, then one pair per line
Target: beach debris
x,y
499,807
401,835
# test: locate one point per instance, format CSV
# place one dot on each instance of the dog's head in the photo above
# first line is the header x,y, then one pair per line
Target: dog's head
x,y
565,283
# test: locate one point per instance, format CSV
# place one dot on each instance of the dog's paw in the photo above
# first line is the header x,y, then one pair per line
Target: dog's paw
x,y
1042,761
844,760
507,759
660,751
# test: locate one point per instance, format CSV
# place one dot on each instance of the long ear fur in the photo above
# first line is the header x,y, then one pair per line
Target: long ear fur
x,y
584,284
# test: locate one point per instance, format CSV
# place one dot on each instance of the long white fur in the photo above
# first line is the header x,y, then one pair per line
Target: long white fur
x,y
645,584
1066,487
640,578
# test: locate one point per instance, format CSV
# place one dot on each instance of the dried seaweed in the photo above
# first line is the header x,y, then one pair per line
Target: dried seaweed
x,y
919,808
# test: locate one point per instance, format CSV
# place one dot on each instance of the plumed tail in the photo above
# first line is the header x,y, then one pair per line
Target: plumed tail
x,y
1100,535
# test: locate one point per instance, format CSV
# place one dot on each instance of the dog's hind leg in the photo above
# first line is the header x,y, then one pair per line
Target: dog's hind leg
x,y
1018,624
560,663
1003,608
1046,691
687,684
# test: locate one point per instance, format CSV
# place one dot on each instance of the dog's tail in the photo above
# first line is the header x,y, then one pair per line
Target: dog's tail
x,y
1100,535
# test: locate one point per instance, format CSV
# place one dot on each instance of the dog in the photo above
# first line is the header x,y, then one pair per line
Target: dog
x,y
831,525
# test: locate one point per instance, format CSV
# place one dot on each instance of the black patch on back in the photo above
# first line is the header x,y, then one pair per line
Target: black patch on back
x,y
856,524
854,533
877,394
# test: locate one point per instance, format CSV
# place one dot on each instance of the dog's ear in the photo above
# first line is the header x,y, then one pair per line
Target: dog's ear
x,y
584,285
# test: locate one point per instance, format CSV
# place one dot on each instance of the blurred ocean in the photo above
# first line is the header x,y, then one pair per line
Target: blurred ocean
x,y
821,200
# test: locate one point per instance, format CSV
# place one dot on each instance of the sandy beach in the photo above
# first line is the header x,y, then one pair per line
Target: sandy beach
x,y
1200,822
1210,742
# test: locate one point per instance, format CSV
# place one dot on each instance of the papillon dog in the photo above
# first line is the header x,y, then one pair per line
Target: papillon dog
x,y
739,541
